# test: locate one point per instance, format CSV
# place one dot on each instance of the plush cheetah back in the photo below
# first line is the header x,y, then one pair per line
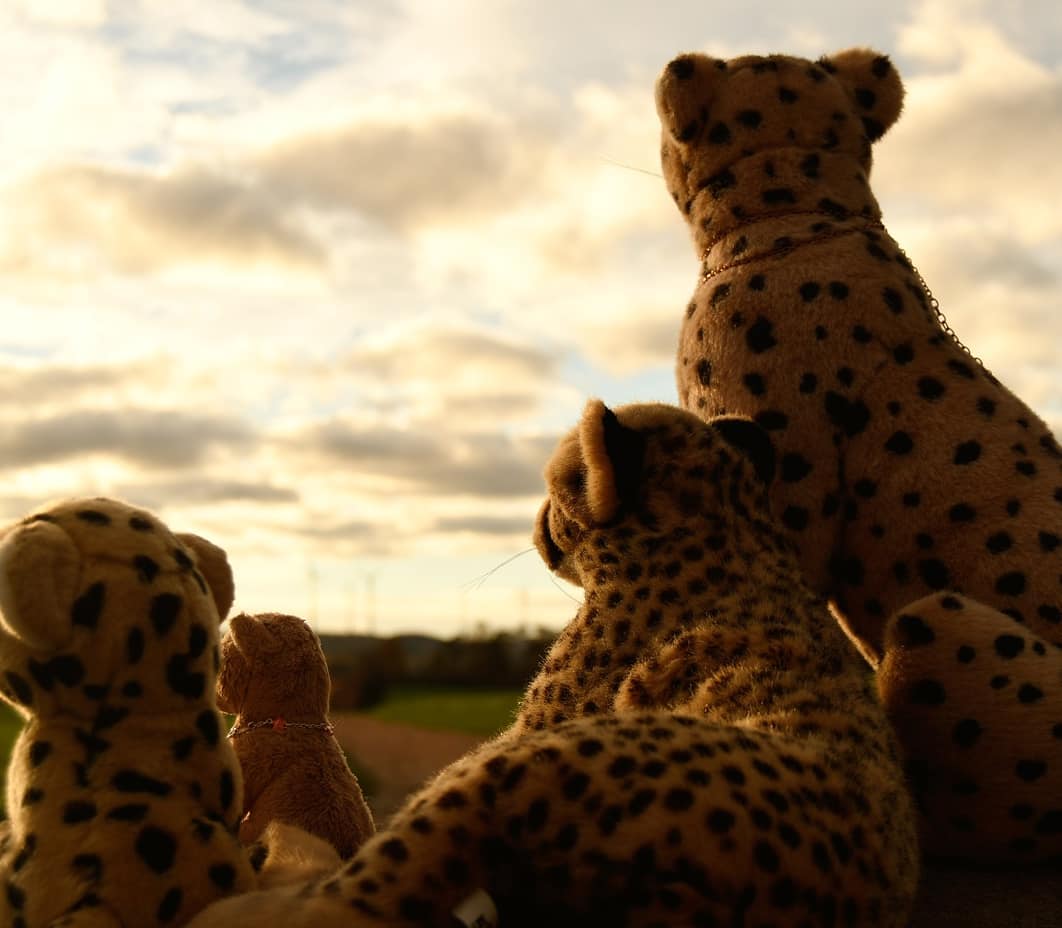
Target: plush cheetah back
x,y
123,795
702,747
906,469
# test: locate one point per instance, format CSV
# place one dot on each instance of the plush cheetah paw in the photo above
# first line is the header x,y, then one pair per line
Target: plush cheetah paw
x,y
976,699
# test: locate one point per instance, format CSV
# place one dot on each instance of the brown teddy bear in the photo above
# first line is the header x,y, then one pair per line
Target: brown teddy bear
x,y
908,473
124,795
275,679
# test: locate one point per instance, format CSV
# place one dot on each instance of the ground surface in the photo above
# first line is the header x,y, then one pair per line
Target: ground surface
x,y
398,757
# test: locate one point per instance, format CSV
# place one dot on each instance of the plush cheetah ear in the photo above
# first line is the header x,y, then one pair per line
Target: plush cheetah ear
x,y
213,564
751,440
684,92
39,571
873,85
612,454
595,468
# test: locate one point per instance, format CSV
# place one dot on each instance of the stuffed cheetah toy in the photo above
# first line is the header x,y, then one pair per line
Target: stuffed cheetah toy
x,y
924,497
703,745
123,794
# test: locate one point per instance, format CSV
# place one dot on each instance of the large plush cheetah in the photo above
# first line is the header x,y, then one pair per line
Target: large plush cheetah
x,y
123,794
703,745
907,471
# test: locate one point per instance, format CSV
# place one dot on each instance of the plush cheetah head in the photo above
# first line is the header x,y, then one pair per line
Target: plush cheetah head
x,y
102,604
272,664
648,468
716,114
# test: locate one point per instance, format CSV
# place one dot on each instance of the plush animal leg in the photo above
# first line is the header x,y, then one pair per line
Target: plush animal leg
x,y
976,699
702,823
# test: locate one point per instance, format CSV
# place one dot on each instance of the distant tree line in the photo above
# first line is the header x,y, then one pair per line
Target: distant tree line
x,y
500,660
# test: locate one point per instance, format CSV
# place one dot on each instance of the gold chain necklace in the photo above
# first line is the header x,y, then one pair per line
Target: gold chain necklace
x,y
825,236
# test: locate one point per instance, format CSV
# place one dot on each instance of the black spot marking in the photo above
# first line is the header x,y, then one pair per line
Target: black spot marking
x,y
914,631
88,606
927,693
966,733
1011,583
760,336
170,905
20,687
134,645
207,723
164,611
719,134
130,812
1009,646
934,573
226,788
850,416
899,443
967,452
1030,770
94,517
78,811
131,781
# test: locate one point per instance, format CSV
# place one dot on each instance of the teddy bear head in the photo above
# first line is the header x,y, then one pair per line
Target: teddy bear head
x,y
795,119
272,665
649,469
101,604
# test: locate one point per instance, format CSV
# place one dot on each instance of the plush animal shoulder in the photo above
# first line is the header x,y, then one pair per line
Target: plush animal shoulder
x,y
906,468
702,746
123,794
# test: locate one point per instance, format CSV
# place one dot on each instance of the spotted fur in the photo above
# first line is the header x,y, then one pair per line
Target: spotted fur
x,y
703,746
905,468
122,791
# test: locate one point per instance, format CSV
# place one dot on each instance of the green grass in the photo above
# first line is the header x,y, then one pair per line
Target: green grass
x,y
476,711
10,726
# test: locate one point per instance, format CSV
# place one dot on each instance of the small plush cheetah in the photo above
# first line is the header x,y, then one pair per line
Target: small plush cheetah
x,y
123,794
703,745
905,468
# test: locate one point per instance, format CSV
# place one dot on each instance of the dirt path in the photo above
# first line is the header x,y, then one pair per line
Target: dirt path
x,y
399,757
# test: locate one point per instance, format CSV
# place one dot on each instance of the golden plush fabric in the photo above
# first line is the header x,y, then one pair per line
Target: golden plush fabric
x,y
275,679
702,745
122,791
906,469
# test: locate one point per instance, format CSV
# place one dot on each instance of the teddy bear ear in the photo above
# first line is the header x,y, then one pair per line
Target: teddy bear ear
x,y
39,572
751,440
684,92
872,83
213,564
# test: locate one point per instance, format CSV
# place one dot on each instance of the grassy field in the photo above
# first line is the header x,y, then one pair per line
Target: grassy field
x,y
476,711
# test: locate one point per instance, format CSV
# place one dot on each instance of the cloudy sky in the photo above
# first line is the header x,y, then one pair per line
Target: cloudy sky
x,y
324,280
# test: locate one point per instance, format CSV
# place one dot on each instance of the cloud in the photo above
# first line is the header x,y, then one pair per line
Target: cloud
x,y
64,13
981,130
439,167
141,437
500,526
205,490
44,385
631,343
71,219
429,462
